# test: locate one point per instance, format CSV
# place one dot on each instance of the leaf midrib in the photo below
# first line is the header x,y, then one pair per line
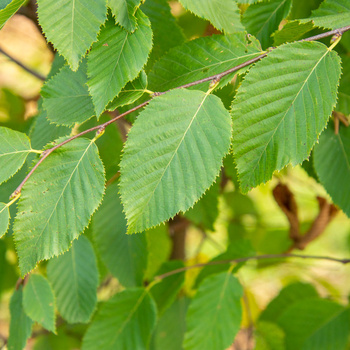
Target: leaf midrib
x,y
292,103
175,152
63,190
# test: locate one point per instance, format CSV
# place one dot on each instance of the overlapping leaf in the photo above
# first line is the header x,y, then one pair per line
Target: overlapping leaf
x,y
74,278
116,59
66,97
281,107
124,255
200,58
223,14
14,149
4,218
21,324
78,25
315,324
125,321
57,202
262,19
8,10
214,315
173,153
124,12
332,165
343,105
39,301
332,14
163,23
291,31
130,93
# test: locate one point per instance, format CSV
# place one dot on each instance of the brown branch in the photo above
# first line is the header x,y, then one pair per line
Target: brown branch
x,y
256,257
215,78
286,201
20,64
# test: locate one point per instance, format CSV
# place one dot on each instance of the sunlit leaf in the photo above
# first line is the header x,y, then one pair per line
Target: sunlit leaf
x,y
281,108
124,12
173,153
8,9
54,210
78,26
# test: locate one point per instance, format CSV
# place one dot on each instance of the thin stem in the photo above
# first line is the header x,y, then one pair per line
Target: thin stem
x,y
36,151
213,78
256,257
20,64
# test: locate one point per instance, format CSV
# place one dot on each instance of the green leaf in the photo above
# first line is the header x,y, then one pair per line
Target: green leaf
x,y
78,26
124,255
4,218
74,278
164,292
263,19
54,210
289,295
131,92
269,336
66,97
331,14
332,165
214,315
124,12
44,132
239,249
281,107
205,211
177,129
8,10
21,324
201,58
159,247
312,324
166,336
116,59
126,321
14,149
291,31
343,105
39,301
163,23
223,14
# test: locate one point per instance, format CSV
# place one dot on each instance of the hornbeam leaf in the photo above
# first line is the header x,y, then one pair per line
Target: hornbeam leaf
x,y
14,149
21,324
332,165
215,313
201,58
291,31
281,108
125,321
131,92
124,255
331,14
117,58
8,10
66,97
74,278
57,202
262,19
39,301
173,153
4,218
124,12
223,14
78,25
315,323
